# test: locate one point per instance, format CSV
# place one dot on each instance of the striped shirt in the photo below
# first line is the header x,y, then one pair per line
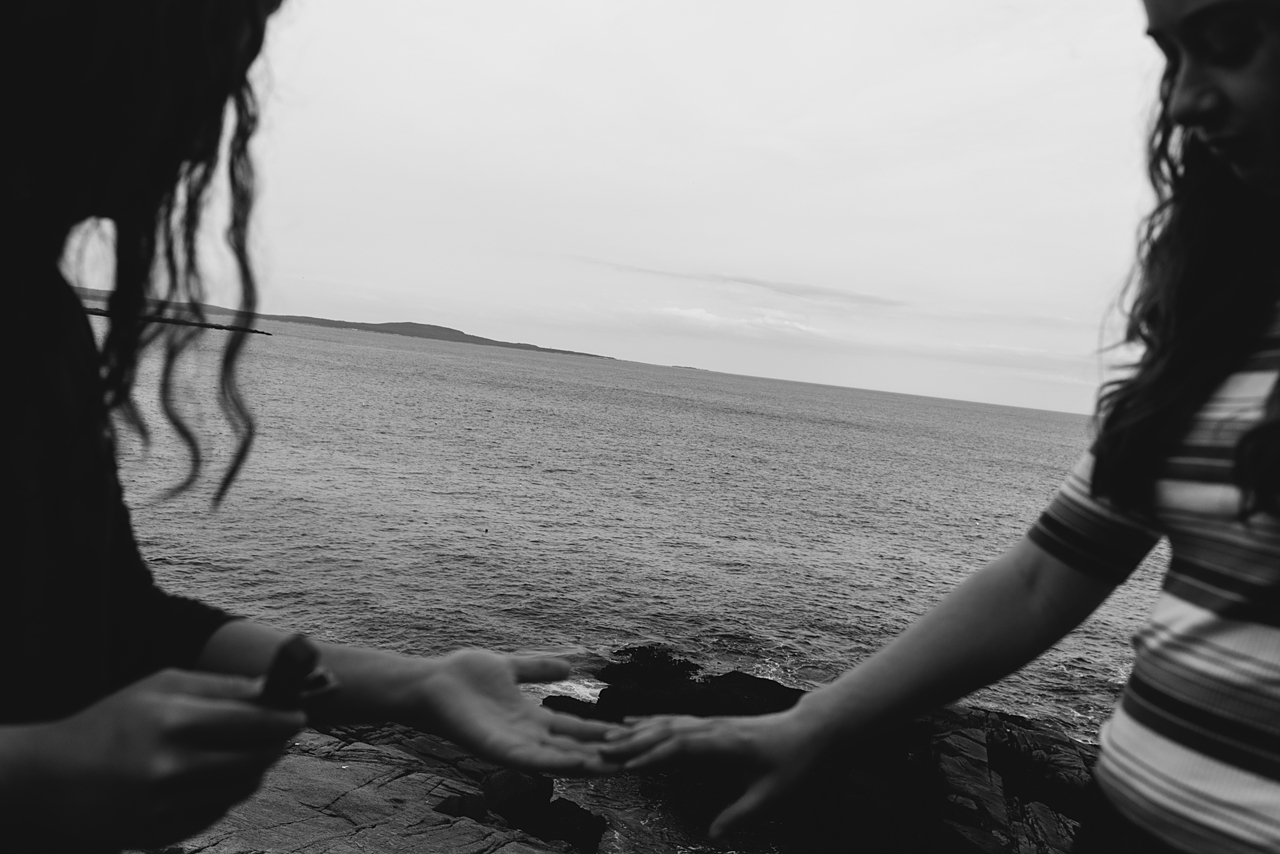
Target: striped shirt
x,y
1192,750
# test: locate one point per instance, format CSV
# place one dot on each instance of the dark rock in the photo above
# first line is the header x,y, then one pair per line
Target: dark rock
x,y
476,769
1039,764
567,821
652,681
339,794
472,806
573,706
954,781
524,800
748,694
517,796
652,664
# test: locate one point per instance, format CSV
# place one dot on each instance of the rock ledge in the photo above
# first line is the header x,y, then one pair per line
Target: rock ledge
x,y
956,781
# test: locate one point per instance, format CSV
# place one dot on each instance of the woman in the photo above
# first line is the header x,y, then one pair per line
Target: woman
x,y
1188,448
128,717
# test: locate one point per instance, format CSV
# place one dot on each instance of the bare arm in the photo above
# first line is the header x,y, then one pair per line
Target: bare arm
x,y
371,681
471,697
169,754
1000,618
996,621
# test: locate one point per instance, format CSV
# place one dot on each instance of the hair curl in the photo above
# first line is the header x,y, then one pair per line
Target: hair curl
x,y
167,74
1203,293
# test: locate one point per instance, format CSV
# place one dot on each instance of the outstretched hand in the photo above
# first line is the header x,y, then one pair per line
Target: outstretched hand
x,y
472,697
156,761
775,751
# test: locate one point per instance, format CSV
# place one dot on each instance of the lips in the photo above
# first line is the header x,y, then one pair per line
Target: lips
x,y
1230,147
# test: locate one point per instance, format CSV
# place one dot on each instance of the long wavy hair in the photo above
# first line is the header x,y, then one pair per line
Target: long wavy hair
x,y
1203,292
165,76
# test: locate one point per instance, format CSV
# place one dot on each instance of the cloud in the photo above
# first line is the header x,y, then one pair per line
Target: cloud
x,y
771,325
829,295
1014,319
800,290
1080,367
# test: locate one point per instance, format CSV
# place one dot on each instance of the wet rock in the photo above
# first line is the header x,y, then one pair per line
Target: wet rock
x,y
335,794
471,806
573,706
517,796
650,680
525,801
651,665
955,781
579,827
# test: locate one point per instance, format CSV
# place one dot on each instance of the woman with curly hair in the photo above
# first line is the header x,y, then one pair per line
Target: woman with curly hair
x,y
1188,448
131,717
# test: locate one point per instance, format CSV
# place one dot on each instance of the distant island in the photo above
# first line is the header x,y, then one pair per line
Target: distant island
x,y
412,330
419,330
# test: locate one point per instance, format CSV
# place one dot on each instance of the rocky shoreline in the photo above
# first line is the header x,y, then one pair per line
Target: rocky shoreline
x,y
955,780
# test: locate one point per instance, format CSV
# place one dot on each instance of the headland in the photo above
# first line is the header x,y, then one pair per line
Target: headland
x,y
95,299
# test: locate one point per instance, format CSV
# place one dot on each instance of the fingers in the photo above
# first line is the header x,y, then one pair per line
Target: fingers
x,y
212,710
562,757
591,751
236,725
540,669
663,753
550,742
579,728
539,736
661,723
546,758
212,685
761,793
218,721
654,741
632,744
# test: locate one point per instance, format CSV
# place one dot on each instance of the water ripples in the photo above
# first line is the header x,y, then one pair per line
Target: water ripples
x,y
423,496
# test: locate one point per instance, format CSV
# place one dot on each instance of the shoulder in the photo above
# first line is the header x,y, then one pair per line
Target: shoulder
x,y
1089,533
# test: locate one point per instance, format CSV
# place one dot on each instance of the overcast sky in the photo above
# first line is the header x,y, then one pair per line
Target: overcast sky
x,y
935,197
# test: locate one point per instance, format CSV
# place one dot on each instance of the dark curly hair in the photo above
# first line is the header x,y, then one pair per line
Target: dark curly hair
x,y
1203,293
153,81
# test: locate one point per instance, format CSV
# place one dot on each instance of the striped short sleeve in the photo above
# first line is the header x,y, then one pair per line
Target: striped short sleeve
x,y
1090,535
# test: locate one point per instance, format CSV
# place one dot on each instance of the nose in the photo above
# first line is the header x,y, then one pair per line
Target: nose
x,y
1196,102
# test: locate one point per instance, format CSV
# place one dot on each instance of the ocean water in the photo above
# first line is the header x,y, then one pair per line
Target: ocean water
x,y
423,496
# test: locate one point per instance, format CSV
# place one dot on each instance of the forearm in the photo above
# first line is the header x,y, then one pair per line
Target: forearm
x,y
471,697
373,685
376,685
995,622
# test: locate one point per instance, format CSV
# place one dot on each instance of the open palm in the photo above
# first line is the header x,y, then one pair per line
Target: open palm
x,y
473,698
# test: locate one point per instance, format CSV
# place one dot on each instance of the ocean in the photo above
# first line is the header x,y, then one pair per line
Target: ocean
x,y
423,496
